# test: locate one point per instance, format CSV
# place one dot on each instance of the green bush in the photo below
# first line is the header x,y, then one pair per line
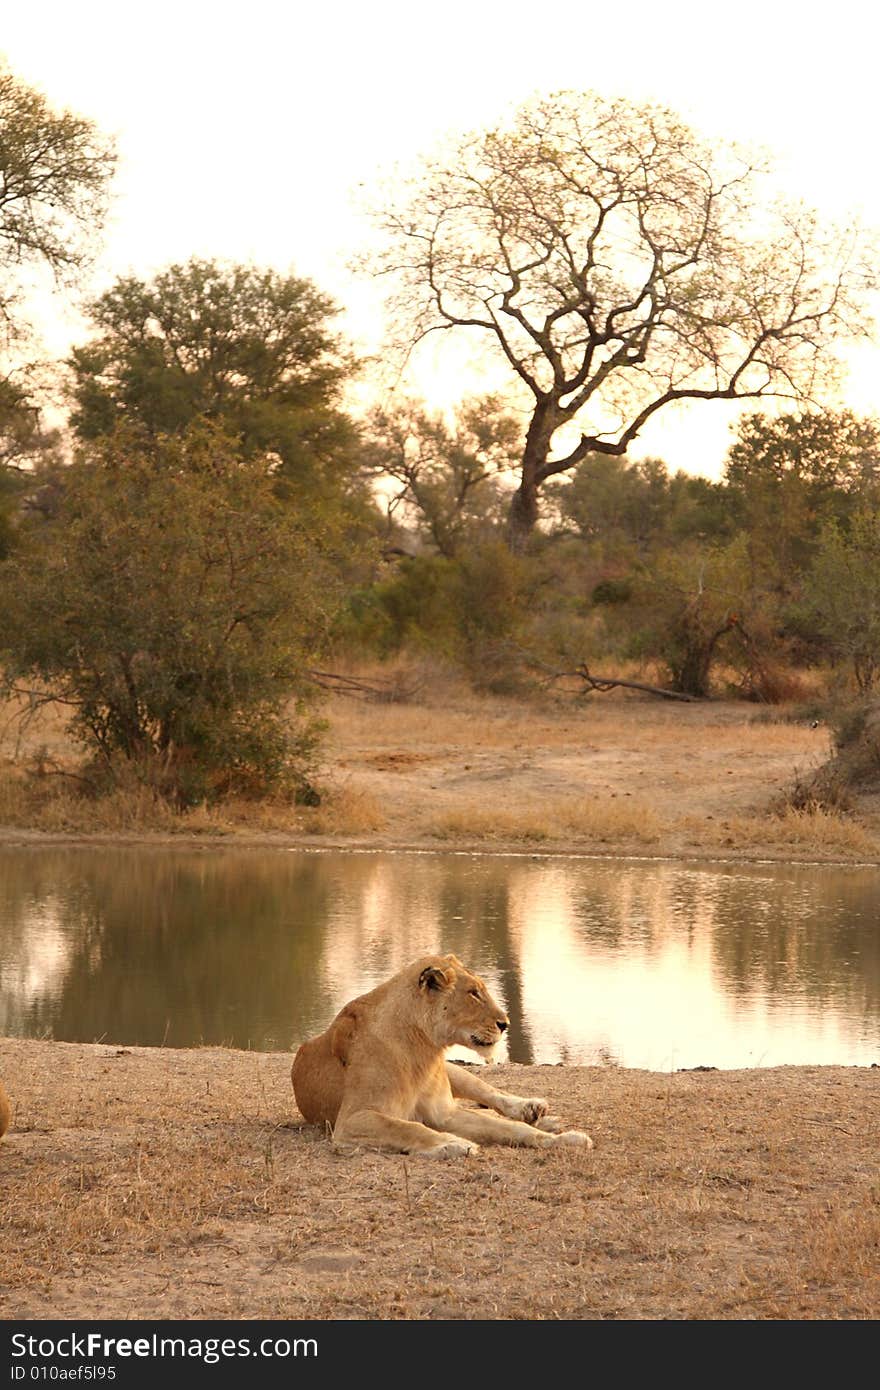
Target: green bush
x,y
470,611
174,604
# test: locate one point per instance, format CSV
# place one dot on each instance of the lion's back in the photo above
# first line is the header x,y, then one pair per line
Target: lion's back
x,y
318,1078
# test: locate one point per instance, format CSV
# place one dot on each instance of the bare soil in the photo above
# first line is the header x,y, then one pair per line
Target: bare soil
x,y
612,774
150,1183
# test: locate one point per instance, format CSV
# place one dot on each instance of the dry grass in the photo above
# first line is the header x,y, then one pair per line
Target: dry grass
x,y
809,830
53,804
489,721
612,772
346,810
155,1183
570,821
494,724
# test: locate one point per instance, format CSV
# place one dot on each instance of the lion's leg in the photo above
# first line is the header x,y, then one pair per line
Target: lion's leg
x,y
467,1085
484,1128
372,1129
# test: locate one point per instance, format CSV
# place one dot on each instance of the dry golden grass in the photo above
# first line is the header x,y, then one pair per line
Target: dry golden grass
x,y
52,803
345,810
163,1184
26,726
486,722
810,830
545,821
616,772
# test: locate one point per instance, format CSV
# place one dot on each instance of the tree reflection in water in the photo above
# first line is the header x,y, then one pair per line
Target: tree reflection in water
x,y
647,964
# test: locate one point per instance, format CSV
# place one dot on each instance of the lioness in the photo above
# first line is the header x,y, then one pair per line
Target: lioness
x,y
5,1111
379,1076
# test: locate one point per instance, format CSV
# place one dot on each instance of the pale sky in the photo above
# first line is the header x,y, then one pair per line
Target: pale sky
x,y
247,130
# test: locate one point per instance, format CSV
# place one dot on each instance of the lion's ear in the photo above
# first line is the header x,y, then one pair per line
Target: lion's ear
x,y
432,977
342,1032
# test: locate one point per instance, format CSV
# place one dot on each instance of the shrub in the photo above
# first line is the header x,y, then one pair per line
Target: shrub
x,y
174,604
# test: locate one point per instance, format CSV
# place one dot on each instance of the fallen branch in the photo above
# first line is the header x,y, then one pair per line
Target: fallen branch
x,y
385,691
602,683
46,771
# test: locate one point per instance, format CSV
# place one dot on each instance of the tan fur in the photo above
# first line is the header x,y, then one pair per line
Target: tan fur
x,y
5,1111
379,1076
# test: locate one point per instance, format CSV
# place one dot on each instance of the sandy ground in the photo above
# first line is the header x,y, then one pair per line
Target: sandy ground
x,y
643,773
150,1183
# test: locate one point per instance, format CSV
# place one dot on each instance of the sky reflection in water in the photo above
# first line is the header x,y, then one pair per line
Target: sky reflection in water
x,y
641,964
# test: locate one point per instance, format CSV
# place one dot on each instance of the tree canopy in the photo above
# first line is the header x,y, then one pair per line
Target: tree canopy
x,y
248,347
55,170
618,263
792,473
616,502
444,475
820,450
173,603
841,600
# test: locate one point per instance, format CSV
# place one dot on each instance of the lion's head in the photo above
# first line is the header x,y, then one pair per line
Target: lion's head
x,y
458,1007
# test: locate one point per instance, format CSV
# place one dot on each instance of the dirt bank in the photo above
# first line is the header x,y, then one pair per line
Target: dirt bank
x,y
612,775
142,1182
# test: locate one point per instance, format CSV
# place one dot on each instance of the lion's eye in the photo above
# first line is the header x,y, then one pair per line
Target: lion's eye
x,y
474,993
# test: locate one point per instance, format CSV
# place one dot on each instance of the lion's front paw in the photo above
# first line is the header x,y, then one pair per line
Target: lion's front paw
x,y
551,1124
451,1147
574,1136
532,1110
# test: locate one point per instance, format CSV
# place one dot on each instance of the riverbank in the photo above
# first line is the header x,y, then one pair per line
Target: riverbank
x,y
618,774
156,1183
148,1182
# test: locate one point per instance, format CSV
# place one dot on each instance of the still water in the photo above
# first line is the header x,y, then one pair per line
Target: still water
x,y
639,964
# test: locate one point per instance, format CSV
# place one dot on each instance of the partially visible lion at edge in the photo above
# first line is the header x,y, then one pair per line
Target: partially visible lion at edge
x,y
5,1111
379,1078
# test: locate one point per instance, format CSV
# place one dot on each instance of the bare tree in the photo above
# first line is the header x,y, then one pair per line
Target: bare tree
x,y
55,170
618,263
445,475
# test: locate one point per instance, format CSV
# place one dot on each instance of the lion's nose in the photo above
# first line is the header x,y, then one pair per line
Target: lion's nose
x,y
502,1024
